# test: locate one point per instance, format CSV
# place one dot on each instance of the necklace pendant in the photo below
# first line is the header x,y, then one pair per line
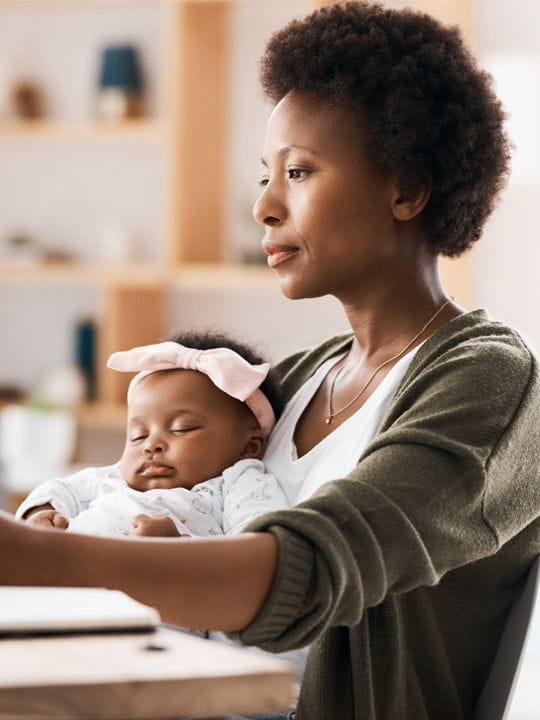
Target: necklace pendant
x,y
328,420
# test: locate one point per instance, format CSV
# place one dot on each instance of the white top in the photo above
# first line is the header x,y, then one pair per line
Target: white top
x,y
338,453
98,501
333,457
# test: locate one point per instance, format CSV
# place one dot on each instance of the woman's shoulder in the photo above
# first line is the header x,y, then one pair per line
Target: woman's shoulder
x,y
477,339
473,363
474,337
472,384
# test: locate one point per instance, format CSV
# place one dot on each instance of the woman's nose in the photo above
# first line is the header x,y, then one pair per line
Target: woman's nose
x,y
269,208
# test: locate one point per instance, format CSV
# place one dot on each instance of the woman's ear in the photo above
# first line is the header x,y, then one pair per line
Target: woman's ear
x,y
255,445
410,199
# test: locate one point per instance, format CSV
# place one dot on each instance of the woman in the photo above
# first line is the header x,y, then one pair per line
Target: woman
x,y
385,149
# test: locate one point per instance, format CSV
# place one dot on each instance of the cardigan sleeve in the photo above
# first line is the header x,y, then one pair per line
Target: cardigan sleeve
x,y
426,497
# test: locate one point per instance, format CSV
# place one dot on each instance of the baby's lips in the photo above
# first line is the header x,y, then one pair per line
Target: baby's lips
x,y
155,470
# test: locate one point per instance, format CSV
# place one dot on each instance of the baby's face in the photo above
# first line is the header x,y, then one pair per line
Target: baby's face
x,y
182,430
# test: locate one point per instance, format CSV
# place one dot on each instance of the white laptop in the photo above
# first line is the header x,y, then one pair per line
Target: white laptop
x,y
37,610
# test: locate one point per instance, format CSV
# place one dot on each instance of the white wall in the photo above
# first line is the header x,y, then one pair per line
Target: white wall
x,y
67,195
37,329
507,260
252,25
264,317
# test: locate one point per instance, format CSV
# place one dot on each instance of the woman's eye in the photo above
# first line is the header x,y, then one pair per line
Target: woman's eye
x,y
263,182
297,173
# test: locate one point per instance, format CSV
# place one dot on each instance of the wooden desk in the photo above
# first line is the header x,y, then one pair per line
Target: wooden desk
x,y
119,676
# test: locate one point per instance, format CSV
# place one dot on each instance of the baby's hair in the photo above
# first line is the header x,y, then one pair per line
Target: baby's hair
x,y
427,110
208,340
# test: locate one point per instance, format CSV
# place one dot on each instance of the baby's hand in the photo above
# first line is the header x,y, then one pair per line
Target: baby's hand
x,y
49,518
158,526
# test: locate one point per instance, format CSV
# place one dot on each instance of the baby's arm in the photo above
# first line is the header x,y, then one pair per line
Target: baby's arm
x,y
46,516
249,491
56,501
197,512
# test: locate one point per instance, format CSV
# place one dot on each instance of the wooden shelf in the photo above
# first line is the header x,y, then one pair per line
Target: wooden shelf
x,y
221,276
139,131
141,275
78,273
107,416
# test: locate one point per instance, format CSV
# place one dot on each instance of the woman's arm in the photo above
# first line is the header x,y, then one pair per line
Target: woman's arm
x,y
450,478
217,584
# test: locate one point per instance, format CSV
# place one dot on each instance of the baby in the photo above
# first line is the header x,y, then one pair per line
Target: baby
x,y
199,412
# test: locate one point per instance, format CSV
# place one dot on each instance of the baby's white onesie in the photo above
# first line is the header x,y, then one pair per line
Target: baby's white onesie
x,y
98,501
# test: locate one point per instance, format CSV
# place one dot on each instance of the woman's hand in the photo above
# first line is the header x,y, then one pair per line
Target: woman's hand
x,y
49,518
219,583
158,526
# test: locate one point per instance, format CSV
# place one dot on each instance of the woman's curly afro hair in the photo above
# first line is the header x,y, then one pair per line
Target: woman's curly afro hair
x,y
426,108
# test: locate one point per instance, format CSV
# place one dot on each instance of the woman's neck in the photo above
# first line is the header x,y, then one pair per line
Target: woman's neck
x,y
386,316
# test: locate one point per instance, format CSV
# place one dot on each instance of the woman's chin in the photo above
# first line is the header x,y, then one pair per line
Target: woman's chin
x,y
297,289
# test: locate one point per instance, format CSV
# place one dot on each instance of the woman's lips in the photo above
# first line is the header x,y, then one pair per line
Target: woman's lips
x,y
278,253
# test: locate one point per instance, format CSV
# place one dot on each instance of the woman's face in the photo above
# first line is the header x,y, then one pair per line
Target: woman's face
x,y
326,210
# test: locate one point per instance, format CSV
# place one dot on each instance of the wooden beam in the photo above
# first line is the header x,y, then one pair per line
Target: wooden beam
x,y
203,74
130,317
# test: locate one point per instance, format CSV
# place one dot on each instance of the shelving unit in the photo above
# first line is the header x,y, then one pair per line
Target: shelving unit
x,y
139,131
191,130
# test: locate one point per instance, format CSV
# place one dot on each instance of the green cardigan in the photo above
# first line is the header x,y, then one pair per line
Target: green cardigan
x,y
400,574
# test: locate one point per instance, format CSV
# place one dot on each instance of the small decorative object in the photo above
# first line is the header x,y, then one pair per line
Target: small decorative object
x,y
117,245
26,101
121,87
63,386
85,355
10,393
21,248
58,255
35,444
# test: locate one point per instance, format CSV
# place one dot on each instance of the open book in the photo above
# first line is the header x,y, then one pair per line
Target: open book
x,y
36,610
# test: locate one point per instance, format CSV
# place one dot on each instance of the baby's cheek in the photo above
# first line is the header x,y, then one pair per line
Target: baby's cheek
x,y
127,464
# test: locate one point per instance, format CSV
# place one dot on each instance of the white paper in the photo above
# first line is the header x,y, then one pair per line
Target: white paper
x,y
54,609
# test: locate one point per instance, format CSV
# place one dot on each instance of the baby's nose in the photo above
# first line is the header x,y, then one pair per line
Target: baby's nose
x,y
154,444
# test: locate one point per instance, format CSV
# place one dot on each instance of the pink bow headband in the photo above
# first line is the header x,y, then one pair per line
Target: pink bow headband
x,y
228,370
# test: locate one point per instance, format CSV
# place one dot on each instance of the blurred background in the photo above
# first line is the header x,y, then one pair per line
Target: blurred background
x,y
130,136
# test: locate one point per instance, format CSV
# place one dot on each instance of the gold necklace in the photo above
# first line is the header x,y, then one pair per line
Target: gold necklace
x,y
331,414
